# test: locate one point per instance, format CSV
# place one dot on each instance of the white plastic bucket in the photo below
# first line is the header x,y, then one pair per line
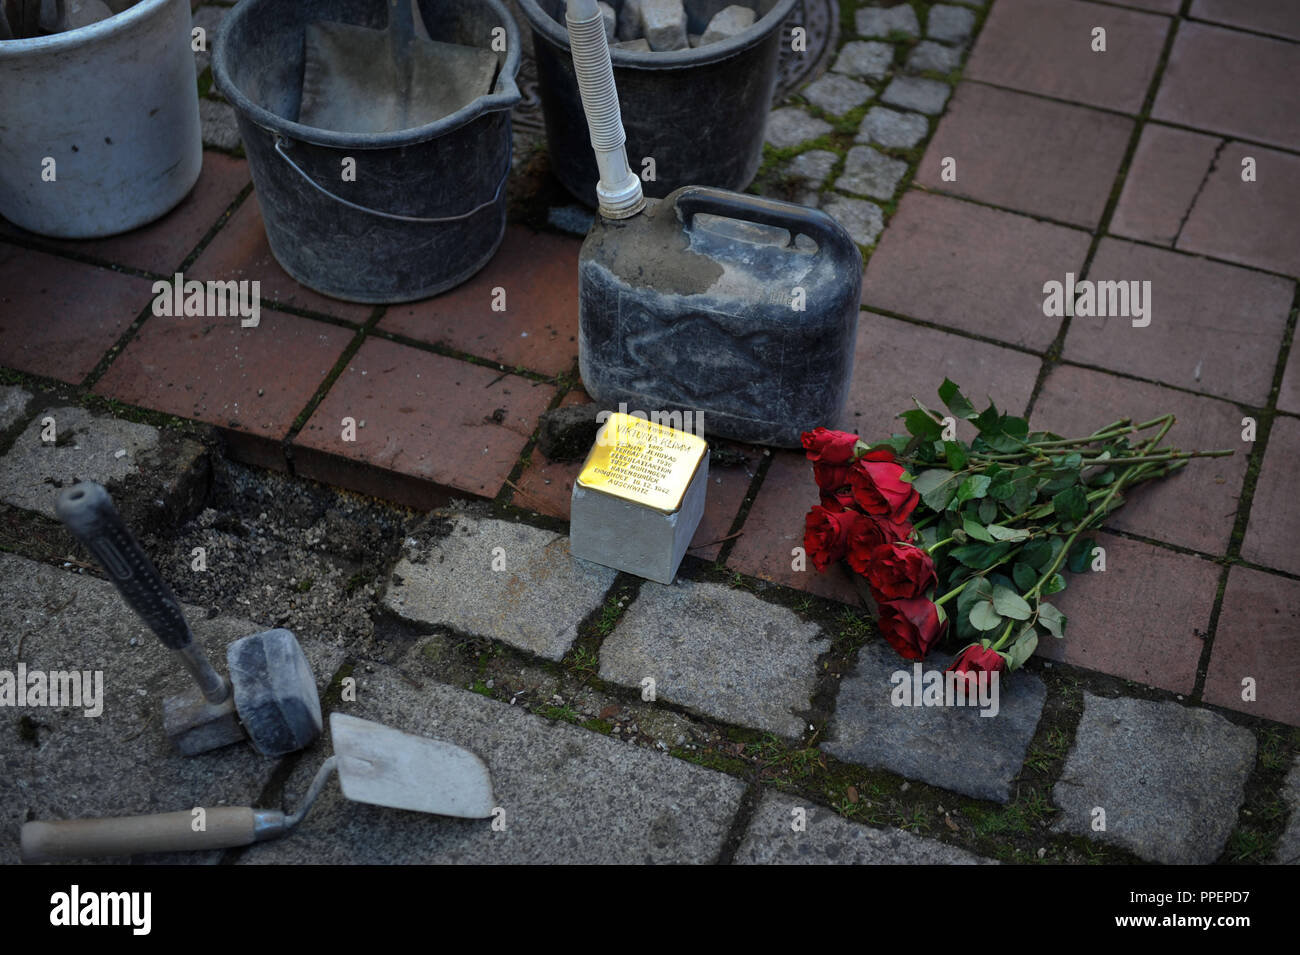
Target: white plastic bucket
x,y
99,126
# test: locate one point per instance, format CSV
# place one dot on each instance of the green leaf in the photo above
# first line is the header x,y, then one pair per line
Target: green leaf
x,y
1052,619
1055,584
1001,533
1010,604
988,511
980,556
1081,556
1071,504
921,424
1025,576
955,401
984,617
936,487
974,529
1037,553
1020,651
956,454
975,486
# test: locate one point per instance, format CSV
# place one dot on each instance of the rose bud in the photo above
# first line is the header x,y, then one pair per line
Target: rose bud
x,y
826,535
879,488
869,534
978,658
898,570
829,447
912,626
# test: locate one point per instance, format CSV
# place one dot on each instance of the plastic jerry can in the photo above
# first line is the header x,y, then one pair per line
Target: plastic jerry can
x,y
740,309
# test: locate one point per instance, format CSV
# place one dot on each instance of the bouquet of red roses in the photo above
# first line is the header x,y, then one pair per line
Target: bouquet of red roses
x,y
943,532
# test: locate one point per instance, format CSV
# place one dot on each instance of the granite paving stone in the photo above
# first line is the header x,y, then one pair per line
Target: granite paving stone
x,y
534,602
790,126
887,127
482,419
917,93
870,173
882,21
720,652
837,94
1164,177
1276,17
868,59
1287,849
161,471
538,328
1257,638
568,795
1028,154
57,317
949,23
969,267
1274,526
60,763
1230,82
812,167
1213,328
1253,223
774,527
1075,401
13,405
928,55
863,220
1175,805
220,127
1144,618
829,839
954,747
1060,62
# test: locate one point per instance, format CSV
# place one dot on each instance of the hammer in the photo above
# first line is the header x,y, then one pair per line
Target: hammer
x,y
270,698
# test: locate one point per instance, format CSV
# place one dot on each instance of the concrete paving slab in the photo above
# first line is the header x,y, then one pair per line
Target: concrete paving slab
x,y
13,404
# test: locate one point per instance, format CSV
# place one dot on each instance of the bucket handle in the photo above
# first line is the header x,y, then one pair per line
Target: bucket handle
x,y
279,148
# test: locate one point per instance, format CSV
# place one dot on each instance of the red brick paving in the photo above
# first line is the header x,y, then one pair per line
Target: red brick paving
x,y
1195,508
1254,223
1288,398
58,317
1144,618
1028,154
1220,322
1045,46
546,486
1273,534
1258,636
161,246
1277,17
968,267
896,360
426,417
1226,81
1167,170
1152,6
253,381
538,329
775,526
240,251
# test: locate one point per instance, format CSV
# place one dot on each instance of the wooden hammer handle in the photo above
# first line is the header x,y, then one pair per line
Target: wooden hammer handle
x,y
224,827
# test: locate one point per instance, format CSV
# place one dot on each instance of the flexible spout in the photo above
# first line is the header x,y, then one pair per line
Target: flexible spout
x,y
619,189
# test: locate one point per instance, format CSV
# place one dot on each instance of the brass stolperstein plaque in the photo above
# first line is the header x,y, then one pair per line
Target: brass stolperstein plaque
x,y
643,462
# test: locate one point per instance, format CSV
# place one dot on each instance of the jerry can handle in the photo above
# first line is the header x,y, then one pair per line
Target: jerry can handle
x,y
796,219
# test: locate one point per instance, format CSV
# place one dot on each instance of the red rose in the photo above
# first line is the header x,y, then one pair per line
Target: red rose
x,y
879,488
869,534
898,569
978,658
912,626
826,534
829,447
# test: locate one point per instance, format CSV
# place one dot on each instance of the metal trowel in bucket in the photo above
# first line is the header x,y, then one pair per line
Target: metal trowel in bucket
x,y
376,764
739,310
361,80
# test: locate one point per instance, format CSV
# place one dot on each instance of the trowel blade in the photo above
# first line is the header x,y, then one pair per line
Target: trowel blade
x,y
380,765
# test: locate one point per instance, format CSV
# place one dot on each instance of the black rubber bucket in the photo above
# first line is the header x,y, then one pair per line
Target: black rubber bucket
x,y
699,114
427,208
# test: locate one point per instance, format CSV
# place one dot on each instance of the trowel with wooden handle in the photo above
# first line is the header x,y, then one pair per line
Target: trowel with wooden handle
x,y
375,763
